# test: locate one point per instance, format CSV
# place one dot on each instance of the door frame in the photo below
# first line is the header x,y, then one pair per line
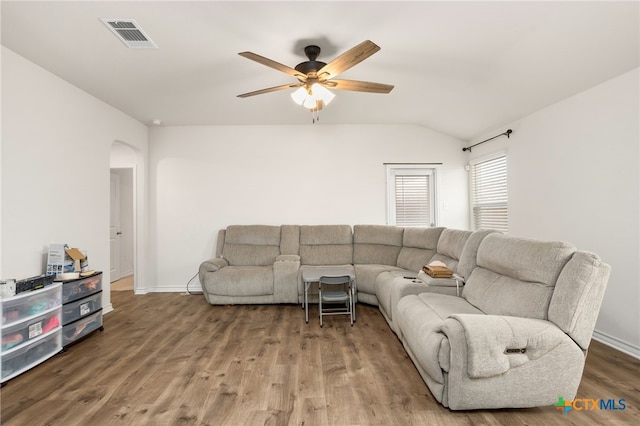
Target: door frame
x,y
114,204
134,184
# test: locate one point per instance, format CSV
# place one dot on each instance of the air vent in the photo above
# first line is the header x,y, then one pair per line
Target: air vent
x,y
130,33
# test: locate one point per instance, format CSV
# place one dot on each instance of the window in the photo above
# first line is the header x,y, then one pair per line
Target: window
x,y
489,192
411,195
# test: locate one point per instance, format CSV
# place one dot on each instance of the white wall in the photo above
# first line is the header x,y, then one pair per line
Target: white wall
x,y
573,176
56,142
205,178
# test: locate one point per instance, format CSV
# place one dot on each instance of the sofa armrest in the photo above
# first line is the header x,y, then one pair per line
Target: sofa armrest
x,y
456,281
495,344
285,278
213,265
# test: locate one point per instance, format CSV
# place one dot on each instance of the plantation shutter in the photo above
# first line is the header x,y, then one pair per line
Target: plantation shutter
x,y
489,194
413,200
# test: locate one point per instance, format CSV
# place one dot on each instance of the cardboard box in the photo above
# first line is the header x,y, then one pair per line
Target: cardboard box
x,y
58,261
75,254
63,259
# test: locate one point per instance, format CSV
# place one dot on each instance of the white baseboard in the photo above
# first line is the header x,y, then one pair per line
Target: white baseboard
x,y
166,290
617,344
107,309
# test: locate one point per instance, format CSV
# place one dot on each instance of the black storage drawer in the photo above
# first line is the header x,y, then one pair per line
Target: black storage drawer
x,y
81,288
73,311
75,331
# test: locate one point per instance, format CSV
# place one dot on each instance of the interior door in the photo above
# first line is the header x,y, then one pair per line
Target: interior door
x,y
114,227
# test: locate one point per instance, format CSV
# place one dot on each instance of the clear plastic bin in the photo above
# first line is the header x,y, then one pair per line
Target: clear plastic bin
x,y
78,329
30,304
81,308
29,329
80,288
25,357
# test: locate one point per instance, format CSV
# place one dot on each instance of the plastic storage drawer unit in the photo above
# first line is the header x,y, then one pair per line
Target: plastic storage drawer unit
x,y
23,358
29,329
80,308
30,304
77,330
78,289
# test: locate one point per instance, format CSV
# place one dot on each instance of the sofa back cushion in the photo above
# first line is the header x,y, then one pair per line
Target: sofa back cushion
x,y
418,247
450,246
469,255
578,295
516,276
376,244
326,245
251,245
220,242
290,239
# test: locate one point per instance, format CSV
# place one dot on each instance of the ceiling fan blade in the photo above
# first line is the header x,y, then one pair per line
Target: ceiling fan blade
x,y
273,64
270,89
348,59
358,86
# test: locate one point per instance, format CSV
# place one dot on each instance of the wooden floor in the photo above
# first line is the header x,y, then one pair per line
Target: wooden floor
x,y
171,359
123,284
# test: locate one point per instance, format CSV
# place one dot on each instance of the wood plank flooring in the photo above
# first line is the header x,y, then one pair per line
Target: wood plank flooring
x,y
171,359
123,284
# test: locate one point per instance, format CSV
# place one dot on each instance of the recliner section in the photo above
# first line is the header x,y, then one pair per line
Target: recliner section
x,y
519,333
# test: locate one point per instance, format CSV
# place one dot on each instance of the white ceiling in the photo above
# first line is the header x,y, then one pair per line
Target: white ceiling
x,y
460,68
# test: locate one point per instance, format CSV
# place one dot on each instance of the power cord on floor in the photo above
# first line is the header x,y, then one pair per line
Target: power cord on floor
x,y
189,282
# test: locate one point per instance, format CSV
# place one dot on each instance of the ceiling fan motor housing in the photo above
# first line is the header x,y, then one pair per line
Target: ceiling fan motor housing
x,y
310,66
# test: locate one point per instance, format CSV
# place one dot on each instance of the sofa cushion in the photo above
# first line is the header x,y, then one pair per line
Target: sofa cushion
x,y
251,245
516,276
376,244
451,242
468,257
366,276
326,245
418,247
450,246
290,239
220,242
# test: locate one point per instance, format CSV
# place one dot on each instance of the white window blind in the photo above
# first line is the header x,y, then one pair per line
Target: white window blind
x,y
411,197
489,193
413,204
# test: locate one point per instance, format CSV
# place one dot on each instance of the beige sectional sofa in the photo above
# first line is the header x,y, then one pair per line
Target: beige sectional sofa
x,y
511,329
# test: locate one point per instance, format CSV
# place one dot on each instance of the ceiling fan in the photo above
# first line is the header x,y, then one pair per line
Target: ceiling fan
x,y
314,77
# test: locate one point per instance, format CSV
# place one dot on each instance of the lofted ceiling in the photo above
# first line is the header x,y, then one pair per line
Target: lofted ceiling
x,y
460,68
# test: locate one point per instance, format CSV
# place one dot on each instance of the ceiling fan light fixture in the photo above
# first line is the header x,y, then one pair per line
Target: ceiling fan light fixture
x,y
309,97
309,102
321,93
299,95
